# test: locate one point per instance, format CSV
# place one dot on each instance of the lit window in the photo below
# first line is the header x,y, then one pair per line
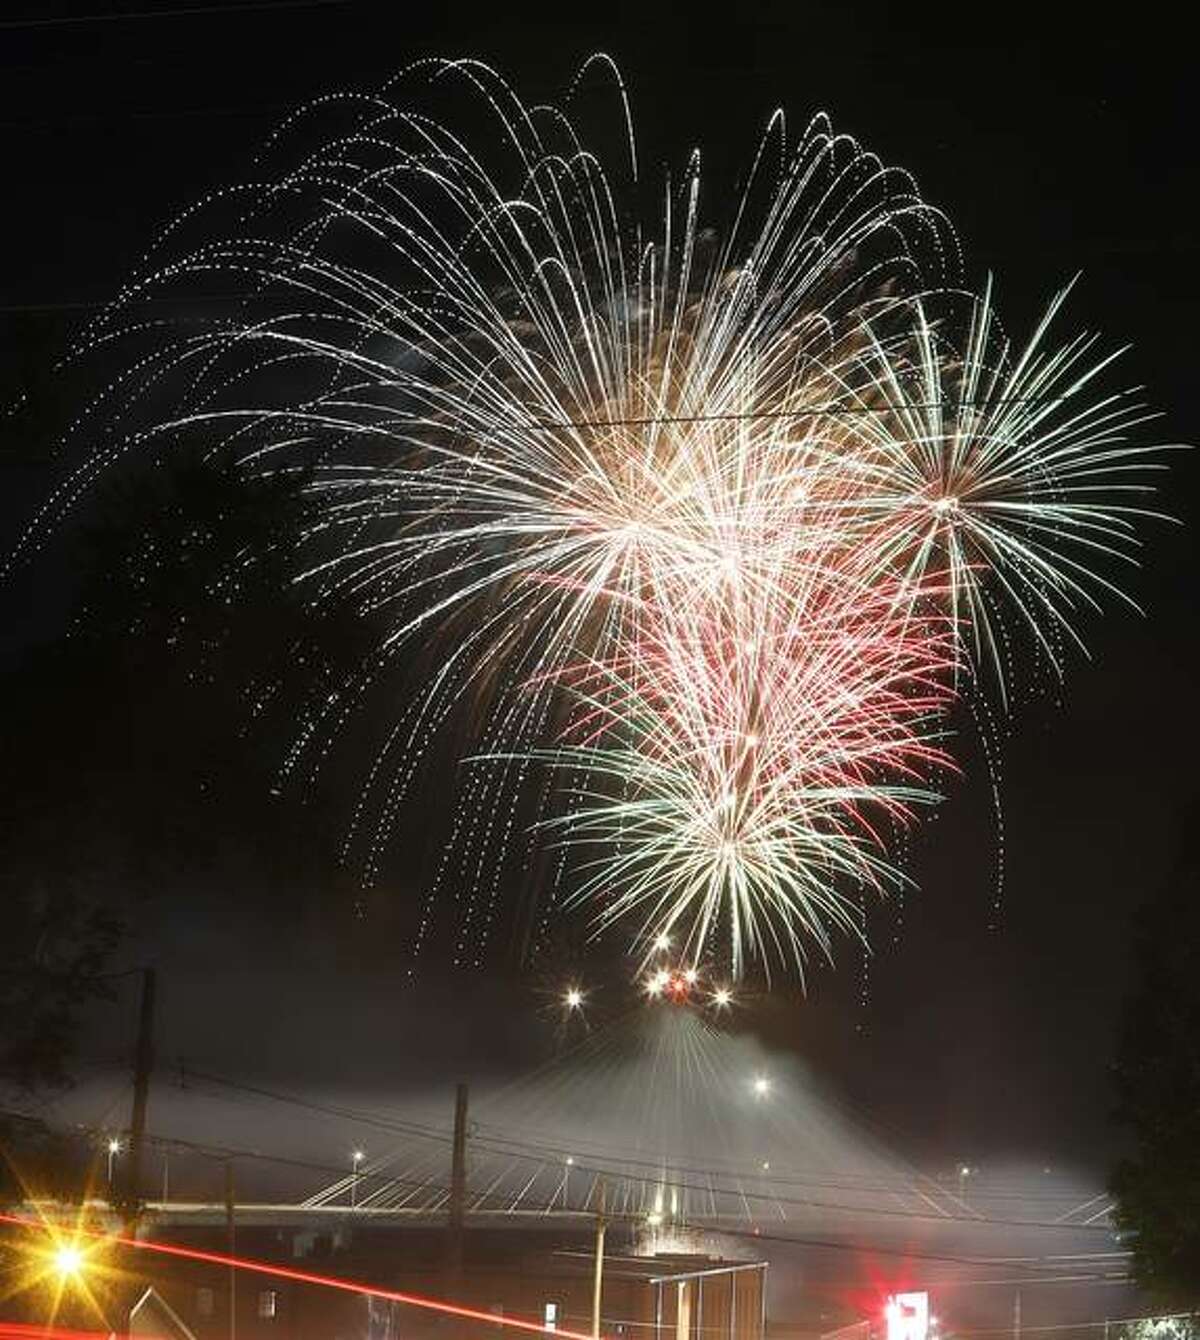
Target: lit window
x,y
550,1316
268,1301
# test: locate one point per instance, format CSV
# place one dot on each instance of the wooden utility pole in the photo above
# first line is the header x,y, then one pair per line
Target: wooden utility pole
x,y
458,1183
598,1275
143,1066
231,1245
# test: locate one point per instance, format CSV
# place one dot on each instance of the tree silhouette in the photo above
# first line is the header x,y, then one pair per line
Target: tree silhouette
x,y
1157,1075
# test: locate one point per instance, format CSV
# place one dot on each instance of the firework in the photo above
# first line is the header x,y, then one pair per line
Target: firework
x,y
1008,473
688,532
748,758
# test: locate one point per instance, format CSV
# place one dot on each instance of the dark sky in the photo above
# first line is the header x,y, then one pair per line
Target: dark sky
x,y
1057,142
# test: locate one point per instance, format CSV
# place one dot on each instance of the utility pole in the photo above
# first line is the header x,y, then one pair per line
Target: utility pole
x,y
1017,1316
598,1277
458,1183
143,1065
231,1246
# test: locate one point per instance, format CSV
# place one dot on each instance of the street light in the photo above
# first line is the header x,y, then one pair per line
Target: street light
x,y
114,1148
762,1086
356,1158
964,1172
68,1260
573,998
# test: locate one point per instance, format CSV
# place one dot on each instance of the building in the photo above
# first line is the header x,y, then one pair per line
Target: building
x,y
541,1273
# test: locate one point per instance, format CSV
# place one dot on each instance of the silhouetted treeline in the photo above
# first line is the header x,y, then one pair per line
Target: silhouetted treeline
x,y
1158,1090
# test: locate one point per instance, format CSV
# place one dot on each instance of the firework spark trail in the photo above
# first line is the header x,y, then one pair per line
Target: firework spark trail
x,y
767,740
1009,472
714,520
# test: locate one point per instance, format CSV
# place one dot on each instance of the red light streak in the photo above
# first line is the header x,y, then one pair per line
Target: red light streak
x,y
308,1277
22,1330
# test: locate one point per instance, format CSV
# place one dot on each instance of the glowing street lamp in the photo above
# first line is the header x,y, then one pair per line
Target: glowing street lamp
x,y
573,999
114,1148
68,1260
355,1159
61,1259
964,1172
64,1262
761,1086
722,997
662,942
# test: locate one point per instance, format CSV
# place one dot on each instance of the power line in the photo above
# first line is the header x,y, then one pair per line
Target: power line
x,y
109,114
172,1143
813,412
403,1182
396,1126
619,1168
946,1258
526,1151
1031,1265
190,11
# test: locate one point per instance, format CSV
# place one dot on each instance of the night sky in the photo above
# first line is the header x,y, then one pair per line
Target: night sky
x,y
1057,144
